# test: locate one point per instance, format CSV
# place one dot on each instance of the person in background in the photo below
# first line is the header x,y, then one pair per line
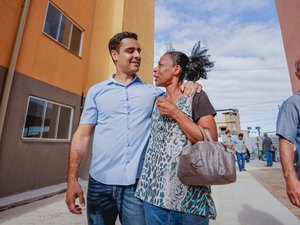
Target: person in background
x,y
117,113
266,145
175,120
227,140
288,130
247,155
240,150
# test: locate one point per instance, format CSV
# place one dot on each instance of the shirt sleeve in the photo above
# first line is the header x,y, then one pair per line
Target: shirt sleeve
x,y
288,121
158,91
90,112
202,106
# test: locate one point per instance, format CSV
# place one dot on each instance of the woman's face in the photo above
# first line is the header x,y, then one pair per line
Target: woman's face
x,y
164,71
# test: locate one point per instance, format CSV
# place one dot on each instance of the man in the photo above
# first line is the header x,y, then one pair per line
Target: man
x,y
288,130
227,140
118,112
266,145
240,150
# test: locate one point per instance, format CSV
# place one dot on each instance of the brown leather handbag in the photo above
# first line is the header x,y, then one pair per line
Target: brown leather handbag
x,y
206,163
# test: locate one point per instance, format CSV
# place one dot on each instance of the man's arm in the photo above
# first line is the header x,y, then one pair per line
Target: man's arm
x,y
227,145
287,161
245,148
191,87
79,147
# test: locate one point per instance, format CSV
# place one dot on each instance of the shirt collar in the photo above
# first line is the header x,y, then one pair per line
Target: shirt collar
x,y
111,80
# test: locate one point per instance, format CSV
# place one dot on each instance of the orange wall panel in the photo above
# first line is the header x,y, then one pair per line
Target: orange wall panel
x,y
42,58
10,12
139,17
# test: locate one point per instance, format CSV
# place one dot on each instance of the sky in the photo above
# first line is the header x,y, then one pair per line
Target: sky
x,y
244,40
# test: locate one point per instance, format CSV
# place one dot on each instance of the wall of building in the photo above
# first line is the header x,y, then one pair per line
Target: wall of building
x,y
24,164
228,121
288,14
47,70
133,12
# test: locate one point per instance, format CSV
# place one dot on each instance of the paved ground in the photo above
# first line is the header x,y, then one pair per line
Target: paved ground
x,y
258,197
274,182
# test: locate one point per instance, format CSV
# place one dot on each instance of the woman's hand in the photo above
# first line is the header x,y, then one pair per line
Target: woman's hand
x,y
166,107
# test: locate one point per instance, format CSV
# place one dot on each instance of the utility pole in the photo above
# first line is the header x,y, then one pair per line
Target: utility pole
x,y
258,130
257,142
169,47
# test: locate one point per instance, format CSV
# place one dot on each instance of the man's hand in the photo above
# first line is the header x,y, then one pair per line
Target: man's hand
x,y
293,191
190,88
287,158
166,108
75,191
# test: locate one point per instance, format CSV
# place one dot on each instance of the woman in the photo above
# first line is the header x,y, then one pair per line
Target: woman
x,y
175,120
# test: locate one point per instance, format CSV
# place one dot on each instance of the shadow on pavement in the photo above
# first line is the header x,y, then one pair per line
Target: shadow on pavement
x,y
250,216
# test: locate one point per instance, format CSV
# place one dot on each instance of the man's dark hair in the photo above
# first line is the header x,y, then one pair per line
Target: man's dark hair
x,y
227,131
241,135
114,43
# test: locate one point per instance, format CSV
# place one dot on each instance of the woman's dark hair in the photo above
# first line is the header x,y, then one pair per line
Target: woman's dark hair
x,y
194,67
114,43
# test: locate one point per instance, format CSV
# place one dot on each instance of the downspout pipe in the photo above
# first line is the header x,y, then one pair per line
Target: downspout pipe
x,y
12,66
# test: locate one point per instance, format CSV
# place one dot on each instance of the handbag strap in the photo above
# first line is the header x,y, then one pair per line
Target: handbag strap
x,y
205,133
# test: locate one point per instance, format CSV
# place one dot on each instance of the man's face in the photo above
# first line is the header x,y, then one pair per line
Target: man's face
x,y
128,59
298,69
164,71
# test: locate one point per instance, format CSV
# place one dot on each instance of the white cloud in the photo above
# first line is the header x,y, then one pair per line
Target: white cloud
x,y
250,64
164,19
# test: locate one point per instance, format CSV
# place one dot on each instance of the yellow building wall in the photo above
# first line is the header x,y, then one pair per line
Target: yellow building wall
x,y
119,15
10,12
45,59
134,12
107,22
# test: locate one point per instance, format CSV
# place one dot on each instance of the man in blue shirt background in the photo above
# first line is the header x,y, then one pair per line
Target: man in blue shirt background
x,y
118,113
240,150
288,130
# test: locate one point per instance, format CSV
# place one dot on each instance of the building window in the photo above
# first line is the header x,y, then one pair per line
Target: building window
x,y
47,120
62,29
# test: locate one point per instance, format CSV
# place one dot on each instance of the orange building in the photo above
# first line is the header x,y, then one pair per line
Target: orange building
x,y
51,53
288,14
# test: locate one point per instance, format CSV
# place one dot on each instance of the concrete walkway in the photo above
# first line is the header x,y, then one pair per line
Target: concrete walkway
x,y
248,203
245,202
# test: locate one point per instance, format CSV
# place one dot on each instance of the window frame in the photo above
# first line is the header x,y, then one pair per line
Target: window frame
x,y
40,138
56,39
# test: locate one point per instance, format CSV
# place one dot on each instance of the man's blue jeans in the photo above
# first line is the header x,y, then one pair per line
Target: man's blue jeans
x,y
240,157
269,157
106,202
160,216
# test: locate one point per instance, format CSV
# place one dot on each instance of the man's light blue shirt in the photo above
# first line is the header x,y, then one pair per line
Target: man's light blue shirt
x,y
122,115
288,124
